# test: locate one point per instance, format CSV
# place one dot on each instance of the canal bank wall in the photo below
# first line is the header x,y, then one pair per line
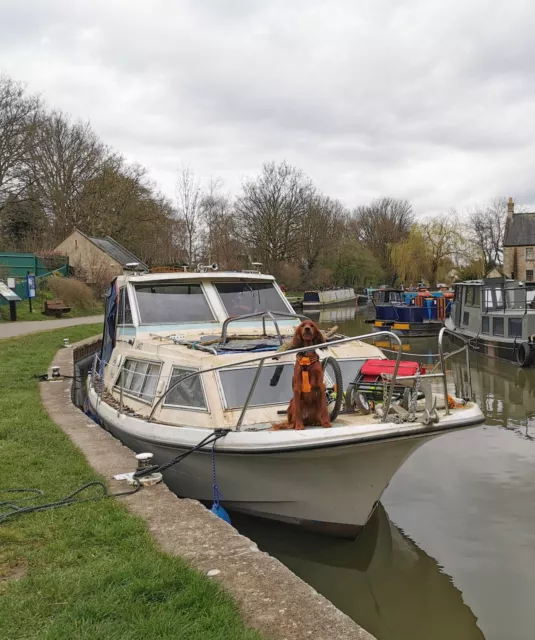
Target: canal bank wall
x,y
270,597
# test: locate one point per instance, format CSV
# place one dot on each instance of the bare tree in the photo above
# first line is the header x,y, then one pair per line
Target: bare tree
x,y
380,224
18,111
62,159
189,198
487,226
270,213
321,229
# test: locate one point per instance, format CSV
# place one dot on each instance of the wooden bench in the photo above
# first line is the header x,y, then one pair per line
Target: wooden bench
x,y
55,308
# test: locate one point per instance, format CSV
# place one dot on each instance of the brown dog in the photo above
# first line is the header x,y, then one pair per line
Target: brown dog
x,y
308,407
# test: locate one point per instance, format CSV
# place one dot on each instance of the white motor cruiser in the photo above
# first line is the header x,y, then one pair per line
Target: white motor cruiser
x,y
189,355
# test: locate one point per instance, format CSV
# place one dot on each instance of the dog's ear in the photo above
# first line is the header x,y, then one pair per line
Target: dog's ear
x,y
298,341
318,336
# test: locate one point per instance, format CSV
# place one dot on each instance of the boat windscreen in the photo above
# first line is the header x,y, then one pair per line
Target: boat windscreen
x,y
172,303
241,298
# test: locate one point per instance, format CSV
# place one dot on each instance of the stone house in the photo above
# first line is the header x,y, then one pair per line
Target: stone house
x,y
519,245
96,260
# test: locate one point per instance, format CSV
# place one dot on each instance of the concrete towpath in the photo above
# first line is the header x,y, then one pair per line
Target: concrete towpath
x,y
12,329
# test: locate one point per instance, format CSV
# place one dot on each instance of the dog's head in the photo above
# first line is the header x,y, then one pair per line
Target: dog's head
x,y
306,335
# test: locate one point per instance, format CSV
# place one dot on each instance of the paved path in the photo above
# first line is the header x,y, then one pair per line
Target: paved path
x,y
11,329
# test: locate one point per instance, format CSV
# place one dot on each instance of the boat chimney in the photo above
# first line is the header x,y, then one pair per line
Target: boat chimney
x,y
510,208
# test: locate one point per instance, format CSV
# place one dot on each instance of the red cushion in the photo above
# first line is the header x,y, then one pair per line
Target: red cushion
x,y
374,368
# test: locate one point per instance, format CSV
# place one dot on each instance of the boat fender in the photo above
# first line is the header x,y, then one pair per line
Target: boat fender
x,y
525,354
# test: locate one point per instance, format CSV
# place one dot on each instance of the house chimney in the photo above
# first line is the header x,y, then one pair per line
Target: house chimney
x,y
510,208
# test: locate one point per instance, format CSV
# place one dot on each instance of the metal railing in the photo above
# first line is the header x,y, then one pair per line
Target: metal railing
x,y
392,378
263,315
276,356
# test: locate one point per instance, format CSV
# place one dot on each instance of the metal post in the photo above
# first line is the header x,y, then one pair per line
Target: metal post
x,y
443,369
386,406
469,373
121,378
250,394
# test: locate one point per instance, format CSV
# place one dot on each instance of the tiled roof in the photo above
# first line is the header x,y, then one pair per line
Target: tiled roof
x,y
520,230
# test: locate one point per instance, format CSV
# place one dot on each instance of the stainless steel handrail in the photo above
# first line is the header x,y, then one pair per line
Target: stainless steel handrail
x,y
276,356
263,315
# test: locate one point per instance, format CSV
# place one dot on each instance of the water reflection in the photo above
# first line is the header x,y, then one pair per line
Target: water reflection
x,y
505,392
383,580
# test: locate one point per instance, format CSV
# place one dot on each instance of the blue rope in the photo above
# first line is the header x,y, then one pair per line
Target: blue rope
x,y
217,509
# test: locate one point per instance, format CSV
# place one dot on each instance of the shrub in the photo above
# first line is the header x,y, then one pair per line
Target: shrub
x,y
73,292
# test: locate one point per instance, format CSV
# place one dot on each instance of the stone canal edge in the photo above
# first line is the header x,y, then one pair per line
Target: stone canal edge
x,y
270,597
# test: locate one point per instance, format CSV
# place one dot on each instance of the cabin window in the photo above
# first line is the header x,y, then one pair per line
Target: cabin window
x,y
529,275
529,253
350,368
485,324
497,326
274,386
172,303
477,296
457,293
493,298
124,312
466,317
139,378
469,297
188,395
515,327
241,298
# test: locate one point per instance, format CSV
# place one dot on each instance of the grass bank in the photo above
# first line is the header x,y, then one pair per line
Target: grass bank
x,y
89,571
23,309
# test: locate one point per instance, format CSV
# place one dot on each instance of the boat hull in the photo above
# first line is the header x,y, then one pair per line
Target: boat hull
x,y
332,488
409,329
493,348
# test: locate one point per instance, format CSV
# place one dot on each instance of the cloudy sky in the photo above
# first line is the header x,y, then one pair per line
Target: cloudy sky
x,y
427,100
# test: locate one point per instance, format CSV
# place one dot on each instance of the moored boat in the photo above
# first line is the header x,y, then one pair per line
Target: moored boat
x,y
312,299
191,356
410,314
497,317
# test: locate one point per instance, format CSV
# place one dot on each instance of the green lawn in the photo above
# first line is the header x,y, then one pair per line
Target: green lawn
x,y
88,571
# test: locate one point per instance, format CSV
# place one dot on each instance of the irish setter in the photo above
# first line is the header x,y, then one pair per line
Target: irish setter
x,y
308,407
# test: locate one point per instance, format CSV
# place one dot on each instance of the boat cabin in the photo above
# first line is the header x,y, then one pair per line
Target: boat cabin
x,y
163,327
497,308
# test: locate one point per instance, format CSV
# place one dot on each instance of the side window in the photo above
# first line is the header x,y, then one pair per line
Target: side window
x,y
139,378
515,327
124,312
189,394
466,317
485,324
497,326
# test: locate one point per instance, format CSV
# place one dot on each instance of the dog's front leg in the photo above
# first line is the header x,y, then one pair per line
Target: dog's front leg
x,y
297,410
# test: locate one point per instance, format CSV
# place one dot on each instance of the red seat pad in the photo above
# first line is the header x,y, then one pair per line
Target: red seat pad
x,y
372,369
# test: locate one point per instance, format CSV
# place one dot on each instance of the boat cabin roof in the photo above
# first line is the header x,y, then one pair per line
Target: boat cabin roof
x,y
202,275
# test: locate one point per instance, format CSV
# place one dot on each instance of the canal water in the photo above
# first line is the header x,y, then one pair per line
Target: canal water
x,y
450,553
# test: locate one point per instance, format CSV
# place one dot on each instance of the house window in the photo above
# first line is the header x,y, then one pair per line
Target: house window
x,y
515,327
529,275
485,324
189,394
139,378
529,253
497,326
466,317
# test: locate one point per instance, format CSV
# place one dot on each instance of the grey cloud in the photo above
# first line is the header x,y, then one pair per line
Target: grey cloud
x,y
430,101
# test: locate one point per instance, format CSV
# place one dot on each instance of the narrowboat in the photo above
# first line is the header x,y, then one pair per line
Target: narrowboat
x,y
497,317
316,299
197,365
410,314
